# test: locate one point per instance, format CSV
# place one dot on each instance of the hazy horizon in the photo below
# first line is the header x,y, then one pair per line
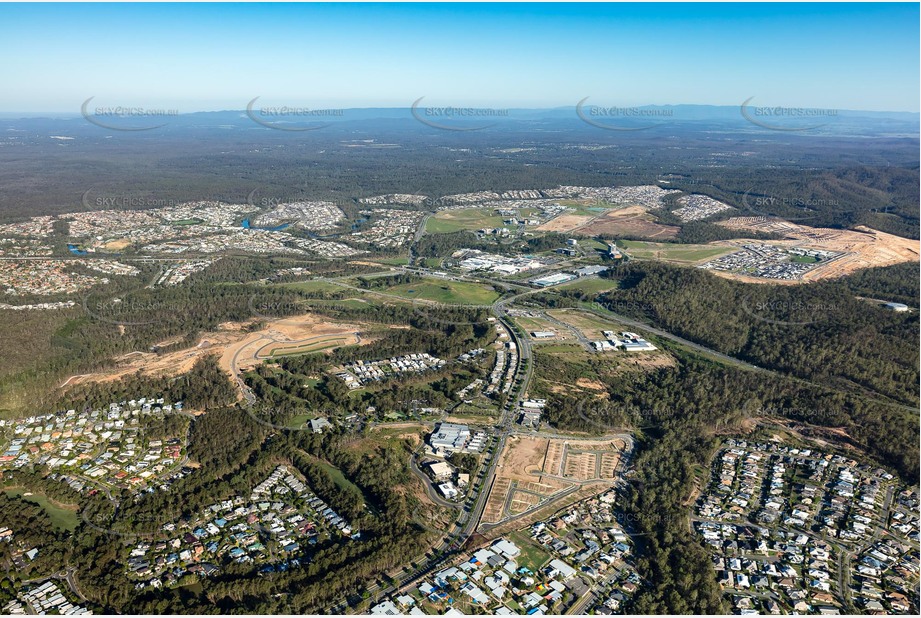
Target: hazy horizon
x,y
357,56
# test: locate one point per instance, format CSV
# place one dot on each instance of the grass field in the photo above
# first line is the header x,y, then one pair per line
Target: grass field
x,y
449,292
432,262
590,209
532,324
588,323
397,261
590,285
64,519
671,251
337,476
313,286
531,555
448,221
299,420
314,346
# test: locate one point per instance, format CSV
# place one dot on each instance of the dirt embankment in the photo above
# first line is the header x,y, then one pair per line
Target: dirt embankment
x,y
237,346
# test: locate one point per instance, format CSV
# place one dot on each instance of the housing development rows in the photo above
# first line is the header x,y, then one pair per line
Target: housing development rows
x,y
271,528
580,559
806,531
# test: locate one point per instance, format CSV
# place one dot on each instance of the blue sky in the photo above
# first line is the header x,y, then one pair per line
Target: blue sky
x,y
196,57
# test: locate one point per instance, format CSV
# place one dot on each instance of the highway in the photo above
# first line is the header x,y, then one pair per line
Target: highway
x,y
467,524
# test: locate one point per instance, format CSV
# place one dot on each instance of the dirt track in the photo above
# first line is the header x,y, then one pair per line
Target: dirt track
x,y
229,341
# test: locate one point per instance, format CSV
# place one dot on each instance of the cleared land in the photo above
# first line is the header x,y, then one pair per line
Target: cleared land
x,y
446,221
287,334
629,221
672,252
448,292
535,471
628,224
236,346
865,247
312,344
581,212
564,223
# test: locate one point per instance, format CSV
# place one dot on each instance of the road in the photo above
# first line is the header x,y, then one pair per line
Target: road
x,y
467,524
420,232
429,488
733,361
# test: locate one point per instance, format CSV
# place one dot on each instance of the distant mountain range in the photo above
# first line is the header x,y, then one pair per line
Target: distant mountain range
x,y
750,118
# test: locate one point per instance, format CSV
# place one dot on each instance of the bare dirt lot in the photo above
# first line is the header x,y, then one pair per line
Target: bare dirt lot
x,y
233,343
864,247
534,471
564,223
633,220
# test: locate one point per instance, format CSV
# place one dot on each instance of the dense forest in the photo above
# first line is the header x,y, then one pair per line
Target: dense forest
x,y
819,332
839,180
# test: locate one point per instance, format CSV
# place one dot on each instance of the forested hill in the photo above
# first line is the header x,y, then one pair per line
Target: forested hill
x,y
820,332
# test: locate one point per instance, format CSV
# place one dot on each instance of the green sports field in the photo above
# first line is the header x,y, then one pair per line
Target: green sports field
x,y
448,221
448,292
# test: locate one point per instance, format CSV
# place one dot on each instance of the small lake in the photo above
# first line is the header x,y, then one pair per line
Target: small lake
x,y
246,226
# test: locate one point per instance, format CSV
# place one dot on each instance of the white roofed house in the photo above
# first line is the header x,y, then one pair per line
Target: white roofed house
x,y
506,547
386,608
319,424
558,567
448,490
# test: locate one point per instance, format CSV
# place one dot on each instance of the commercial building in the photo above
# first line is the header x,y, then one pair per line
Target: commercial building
x,y
441,470
554,279
450,437
587,271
